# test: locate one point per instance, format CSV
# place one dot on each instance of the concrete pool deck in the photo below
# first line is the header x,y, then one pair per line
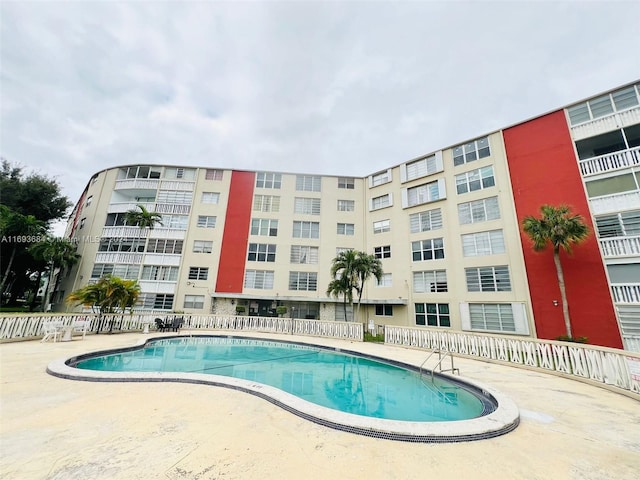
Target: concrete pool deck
x,y
52,428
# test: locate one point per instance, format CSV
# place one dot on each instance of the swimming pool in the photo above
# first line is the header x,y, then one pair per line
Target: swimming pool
x,y
344,390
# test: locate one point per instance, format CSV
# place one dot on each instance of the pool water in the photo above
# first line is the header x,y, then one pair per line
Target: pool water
x,y
340,381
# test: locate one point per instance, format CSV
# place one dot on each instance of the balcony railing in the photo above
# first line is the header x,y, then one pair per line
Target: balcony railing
x,y
135,232
173,208
157,287
615,203
626,293
606,124
137,183
620,246
119,257
162,259
610,162
126,206
182,185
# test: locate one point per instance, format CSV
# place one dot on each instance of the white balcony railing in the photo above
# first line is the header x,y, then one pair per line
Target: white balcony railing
x,y
606,124
626,293
173,208
157,287
181,185
162,259
123,207
620,246
615,203
119,257
137,183
125,232
610,162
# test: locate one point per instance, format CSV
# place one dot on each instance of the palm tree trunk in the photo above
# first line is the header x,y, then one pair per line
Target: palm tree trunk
x,y
6,272
563,292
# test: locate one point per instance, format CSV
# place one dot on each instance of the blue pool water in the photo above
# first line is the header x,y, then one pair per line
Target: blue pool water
x,y
348,383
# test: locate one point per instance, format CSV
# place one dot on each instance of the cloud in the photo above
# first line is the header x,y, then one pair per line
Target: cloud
x,y
319,87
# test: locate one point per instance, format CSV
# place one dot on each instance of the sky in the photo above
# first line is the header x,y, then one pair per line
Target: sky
x,y
332,87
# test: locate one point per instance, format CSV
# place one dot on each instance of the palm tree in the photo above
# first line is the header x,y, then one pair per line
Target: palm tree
x,y
350,270
106,296
338,287
60,254
143,218
367,266
560,229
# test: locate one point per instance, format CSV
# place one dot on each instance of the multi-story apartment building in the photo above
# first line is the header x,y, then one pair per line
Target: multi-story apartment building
x,y
446,227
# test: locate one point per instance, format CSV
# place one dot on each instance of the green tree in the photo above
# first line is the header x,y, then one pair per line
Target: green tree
x,y
59,254
560,229
339,287
350,270
143,218
108,295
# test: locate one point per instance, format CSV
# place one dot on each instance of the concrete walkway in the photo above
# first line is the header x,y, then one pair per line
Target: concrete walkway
x,y
51,428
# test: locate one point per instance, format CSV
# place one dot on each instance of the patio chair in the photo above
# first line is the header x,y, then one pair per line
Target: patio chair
x,y
176,324
51,330
161,326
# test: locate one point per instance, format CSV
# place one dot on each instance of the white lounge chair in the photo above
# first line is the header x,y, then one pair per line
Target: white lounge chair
x,y
51,330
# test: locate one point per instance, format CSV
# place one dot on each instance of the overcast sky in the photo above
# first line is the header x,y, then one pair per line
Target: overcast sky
x,y
314,87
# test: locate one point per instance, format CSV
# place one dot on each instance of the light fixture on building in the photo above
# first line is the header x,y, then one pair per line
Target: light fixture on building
x,y
555,303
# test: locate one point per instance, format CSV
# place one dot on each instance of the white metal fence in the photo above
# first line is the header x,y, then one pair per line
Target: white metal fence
x,y
616,368
29,326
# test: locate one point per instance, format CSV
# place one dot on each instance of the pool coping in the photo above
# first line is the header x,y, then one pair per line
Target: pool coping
x,y
504,419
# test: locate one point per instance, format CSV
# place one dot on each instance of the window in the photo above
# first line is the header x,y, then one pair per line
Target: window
x,y
431,281
158,301
212,174
492,317
306,230
180,173
202,246
82,222
384,310
88,202
160,245
266,203
210,197
193,301
488,279
381,202
380,178
421,167
478,179
307,206
618,184
382,226
308,183
265,227
346,229
119,244
382,252
428,192
483,243
175,197
261,252
139,171
177,222
425,221
258,279
304,281
206,221
479,211
160,273
619,225
604,105
304,254
433,314
346,205
129,272
471,151
428,249
346,182
198,273
268,180
385,280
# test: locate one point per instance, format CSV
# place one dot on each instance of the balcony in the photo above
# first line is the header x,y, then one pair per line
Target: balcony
x,y
157,287
137,184
610,162
124,207
119,257
626,293
135,232
615,203
169,259
173,208
181,185
620,246
606,124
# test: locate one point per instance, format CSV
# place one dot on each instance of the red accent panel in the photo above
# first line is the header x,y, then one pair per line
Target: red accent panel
x,y
233,252
544,170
